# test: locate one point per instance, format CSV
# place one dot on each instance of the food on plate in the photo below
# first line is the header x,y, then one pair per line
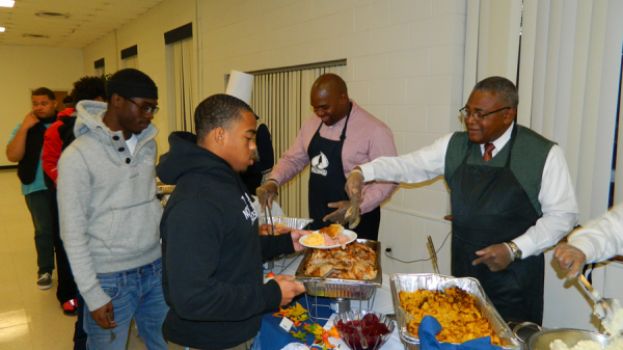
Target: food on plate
x,y
314,239
279,229
356,262
456,310
328,236
333,230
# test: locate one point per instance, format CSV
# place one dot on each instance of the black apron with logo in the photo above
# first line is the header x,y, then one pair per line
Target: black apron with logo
x,y
489,206
327,181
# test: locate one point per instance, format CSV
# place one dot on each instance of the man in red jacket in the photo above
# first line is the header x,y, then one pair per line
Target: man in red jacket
x,y
61,133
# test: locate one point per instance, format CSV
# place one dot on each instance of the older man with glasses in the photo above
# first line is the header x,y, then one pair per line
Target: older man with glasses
x,y
511,197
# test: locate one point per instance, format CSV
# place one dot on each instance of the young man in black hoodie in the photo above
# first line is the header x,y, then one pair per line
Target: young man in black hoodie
x,y
211,249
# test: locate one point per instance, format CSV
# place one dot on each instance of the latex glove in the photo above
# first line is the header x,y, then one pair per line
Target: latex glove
x,y
497,257
353,213
266,193
337,216
105,316
354,185
569,258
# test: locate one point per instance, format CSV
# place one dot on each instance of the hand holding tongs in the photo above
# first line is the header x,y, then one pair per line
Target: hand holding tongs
x,y
602,306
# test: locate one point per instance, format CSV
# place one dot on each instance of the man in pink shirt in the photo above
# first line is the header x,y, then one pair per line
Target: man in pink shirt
x,y
338,137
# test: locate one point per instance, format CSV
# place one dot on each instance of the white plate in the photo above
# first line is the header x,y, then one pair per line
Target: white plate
x,y
352,236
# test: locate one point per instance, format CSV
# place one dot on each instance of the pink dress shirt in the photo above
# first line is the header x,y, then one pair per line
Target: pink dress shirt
x,y
367,138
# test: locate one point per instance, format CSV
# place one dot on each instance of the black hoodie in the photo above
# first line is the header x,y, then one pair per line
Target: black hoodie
x,y
211,251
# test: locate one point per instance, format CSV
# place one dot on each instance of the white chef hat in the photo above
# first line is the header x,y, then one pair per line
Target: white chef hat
x,y
240,85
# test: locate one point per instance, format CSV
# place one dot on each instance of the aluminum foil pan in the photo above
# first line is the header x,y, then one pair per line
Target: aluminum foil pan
x,y
295,223
411,282
338,287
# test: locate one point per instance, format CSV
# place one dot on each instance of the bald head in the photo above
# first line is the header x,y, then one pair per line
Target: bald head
x,y
329,98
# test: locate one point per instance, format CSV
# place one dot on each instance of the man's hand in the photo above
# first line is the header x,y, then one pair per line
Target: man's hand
x,y
105,316
266,193
354,185
29,120
337,216
296,236
290,288
497,257
569,258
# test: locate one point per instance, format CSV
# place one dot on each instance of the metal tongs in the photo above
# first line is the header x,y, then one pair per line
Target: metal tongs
x,y
269,220
603,307
432,253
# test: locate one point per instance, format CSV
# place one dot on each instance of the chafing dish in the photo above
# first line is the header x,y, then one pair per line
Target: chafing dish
x,y
411,282
338,287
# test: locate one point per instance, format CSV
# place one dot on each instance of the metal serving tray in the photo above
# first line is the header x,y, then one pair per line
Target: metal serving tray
x,y
400,282
338,287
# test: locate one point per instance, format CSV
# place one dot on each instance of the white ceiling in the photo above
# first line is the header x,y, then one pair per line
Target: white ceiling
x,y
82,21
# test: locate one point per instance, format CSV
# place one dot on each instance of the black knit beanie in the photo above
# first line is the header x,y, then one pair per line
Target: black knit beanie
x,y
130,83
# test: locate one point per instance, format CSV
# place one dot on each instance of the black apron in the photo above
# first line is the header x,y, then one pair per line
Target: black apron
x,y
489,206
327,181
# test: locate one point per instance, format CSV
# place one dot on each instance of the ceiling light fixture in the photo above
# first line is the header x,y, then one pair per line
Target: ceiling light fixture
x,y
2,29
7,3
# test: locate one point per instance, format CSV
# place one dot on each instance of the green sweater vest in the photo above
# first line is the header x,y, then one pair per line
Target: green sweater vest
x,y
528,159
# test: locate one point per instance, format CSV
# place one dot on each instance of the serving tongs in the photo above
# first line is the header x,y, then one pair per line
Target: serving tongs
x,y
269,220
432,253
603,307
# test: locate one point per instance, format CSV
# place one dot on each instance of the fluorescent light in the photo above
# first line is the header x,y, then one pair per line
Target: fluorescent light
x,y
7,3
2,29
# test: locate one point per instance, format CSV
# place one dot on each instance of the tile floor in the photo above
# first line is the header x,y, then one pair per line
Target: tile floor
x,y
30,319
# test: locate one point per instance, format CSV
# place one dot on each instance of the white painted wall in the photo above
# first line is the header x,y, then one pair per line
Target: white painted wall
x,y
24,68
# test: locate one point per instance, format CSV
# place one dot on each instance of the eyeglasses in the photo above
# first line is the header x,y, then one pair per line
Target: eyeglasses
x,y
145,108
465,113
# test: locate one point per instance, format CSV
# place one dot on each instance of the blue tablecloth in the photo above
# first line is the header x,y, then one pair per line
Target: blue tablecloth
x,y
273,337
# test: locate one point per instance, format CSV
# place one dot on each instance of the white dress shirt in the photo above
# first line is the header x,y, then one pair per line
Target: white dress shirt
x,y
602,238
556,196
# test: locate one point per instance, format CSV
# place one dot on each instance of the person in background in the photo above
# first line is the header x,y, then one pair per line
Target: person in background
x,y
109,213
61,133
211,249
599,240
338,137
510,193
56,138
25,146
265,155
240,85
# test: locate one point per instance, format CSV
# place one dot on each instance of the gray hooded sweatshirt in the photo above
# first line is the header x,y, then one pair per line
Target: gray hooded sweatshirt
x,y
109,213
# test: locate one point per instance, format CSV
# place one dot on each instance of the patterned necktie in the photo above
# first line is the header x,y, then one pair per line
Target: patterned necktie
x,y
489,147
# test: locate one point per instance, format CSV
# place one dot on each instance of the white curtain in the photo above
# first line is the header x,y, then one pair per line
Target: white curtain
x,y
491,41
180,74
568,80
281,100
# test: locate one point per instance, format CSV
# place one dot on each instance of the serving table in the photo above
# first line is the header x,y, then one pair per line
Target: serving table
x,y
273,337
